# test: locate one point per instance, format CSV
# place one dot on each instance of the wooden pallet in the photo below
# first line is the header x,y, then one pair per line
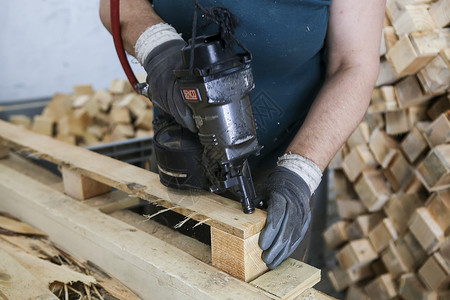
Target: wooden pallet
x,y
165,262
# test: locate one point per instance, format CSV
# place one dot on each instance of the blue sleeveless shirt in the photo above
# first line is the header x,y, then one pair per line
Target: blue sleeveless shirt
x,y
286,39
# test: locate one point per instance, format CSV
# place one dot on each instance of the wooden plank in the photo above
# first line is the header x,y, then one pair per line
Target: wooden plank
x,y
434,170
241,258
111,244
18,283
216,211
19,227
291,278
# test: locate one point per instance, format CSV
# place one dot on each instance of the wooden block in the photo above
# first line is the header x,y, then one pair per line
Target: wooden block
x,y
414,18
442,104
394,8
386,75
90,139
409,92
144,120
405,59
81,187
68,125
372,189
82,117
388,39
335,235
434,170
382,287
97,131
359,159
361,226
4,151
359,274
355,292
238,257
356,254
413,145
416,187
382,234
336,161
81,100
135,103
43,125
289,279
339,279
120,86
120,115
440,13
426,230
378,267
396,122
140,133
83,89
438,132
359,136
412,252
342,187
398,173
393,261
20,120
416,114
410,287
104,100
349,209
434,77
375,121
435,273
399,208
71,139
122,131
59,106
438,205
431,41
445,250
383,147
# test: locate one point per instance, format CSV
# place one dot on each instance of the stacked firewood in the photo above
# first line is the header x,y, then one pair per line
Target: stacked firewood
x,y
89,117
392,177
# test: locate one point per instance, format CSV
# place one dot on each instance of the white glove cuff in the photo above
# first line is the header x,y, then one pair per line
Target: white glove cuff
x,y
303,167
152,37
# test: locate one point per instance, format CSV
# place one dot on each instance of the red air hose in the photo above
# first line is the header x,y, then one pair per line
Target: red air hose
x,y
118,43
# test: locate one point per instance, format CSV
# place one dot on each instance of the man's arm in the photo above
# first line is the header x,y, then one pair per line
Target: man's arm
x,y
135,17
354,35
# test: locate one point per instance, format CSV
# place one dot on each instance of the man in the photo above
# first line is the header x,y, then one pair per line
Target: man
x,y
315,63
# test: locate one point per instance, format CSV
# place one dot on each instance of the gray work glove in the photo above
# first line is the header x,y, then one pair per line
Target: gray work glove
x,y
288,215
165,92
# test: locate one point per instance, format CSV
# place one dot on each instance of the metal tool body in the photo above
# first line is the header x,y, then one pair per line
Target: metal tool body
x,y
216,84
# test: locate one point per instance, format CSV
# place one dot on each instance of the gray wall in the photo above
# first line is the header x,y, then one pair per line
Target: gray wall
x,y
47,46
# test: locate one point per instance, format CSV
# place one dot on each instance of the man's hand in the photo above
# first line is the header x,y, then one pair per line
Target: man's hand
x,y
288,216
159,49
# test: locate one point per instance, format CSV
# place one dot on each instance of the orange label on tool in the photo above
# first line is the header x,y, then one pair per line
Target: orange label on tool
x,y
191,95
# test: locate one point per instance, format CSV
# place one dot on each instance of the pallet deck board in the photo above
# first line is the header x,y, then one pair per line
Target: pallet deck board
x,y
221,213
